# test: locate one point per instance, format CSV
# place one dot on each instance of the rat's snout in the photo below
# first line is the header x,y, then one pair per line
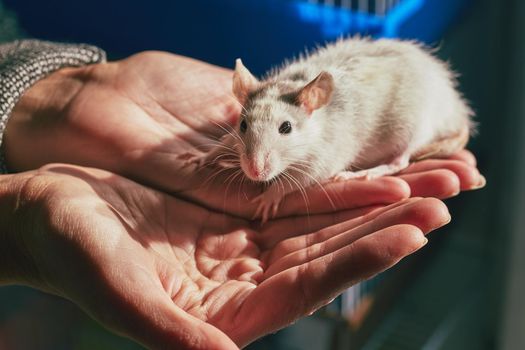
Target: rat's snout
x,y
256,167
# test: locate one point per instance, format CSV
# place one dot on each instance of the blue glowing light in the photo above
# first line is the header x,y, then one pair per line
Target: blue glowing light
x,y
335,21
400,14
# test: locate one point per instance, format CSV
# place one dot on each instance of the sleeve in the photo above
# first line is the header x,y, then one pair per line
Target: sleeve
x,y
23,63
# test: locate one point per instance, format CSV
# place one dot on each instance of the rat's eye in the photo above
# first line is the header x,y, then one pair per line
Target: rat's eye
x,y
285,128
243,126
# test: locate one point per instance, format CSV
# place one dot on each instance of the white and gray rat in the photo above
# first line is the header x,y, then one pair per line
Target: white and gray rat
x,y
356,108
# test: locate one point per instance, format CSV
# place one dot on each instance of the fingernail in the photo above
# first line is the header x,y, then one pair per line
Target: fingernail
x,y
481,183
454,194
423,242
443,223
451,194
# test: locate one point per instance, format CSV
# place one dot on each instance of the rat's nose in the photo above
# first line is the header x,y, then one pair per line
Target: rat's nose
x,y
256,167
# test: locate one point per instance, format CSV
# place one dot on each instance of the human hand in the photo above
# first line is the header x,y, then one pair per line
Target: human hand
x,y
137,116
171,274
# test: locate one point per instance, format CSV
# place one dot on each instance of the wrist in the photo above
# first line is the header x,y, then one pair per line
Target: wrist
x,y
36,118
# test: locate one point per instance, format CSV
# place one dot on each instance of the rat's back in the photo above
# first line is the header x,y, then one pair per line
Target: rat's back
x,y
388,95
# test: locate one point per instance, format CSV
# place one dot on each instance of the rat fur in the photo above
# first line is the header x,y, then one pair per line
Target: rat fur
x,y
355,108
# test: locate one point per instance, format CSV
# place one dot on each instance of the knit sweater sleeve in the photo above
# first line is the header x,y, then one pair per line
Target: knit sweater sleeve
x,y
23,63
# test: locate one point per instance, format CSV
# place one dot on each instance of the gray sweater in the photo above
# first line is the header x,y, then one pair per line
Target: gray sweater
x,y
23,63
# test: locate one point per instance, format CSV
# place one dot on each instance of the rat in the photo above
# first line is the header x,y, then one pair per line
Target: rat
x,y
357,108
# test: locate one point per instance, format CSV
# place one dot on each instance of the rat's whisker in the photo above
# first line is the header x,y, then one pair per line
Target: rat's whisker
x,y
285,177
243,181
217,145
232,176
231,131
297,184
215,174
316,182
228,129
298,163
211,177
301,189
229,182
217,158
237,178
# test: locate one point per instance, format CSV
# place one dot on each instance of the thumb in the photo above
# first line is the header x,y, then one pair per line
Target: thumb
x,y
157,323
167,326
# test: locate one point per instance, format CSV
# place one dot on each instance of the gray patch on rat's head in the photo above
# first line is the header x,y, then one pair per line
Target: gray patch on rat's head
x,y
258,93
278,91
253,100
290,98
272,89
297,76
262,93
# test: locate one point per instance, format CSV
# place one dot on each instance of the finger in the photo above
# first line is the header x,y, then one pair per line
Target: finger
x,y
282,229
425,214
342,195
298,291
465,156
469,177
439,183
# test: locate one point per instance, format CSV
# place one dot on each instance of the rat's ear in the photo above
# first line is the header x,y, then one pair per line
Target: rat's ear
x,y
316,93
243,81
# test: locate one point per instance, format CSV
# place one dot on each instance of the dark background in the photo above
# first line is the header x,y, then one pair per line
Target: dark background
x,y
463,291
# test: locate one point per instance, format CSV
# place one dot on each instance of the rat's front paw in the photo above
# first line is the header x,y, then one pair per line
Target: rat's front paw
x,y
190,158
211,158
350,175
396,165
268,202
